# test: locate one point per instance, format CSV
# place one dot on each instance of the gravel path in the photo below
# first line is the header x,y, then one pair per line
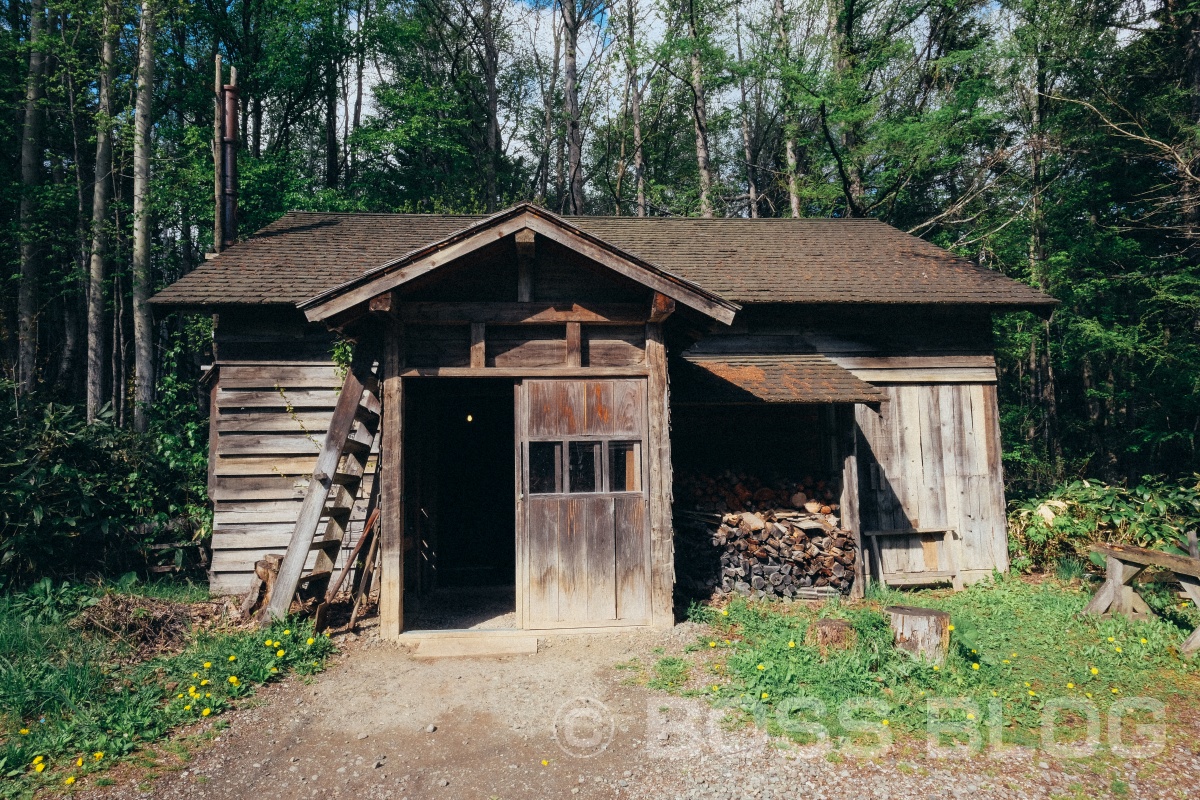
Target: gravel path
x,y
566,723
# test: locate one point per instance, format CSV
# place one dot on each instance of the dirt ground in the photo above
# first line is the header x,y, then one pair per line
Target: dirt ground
x,y
567,723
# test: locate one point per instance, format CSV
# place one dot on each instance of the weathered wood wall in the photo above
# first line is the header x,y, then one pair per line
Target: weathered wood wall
x,y
268,420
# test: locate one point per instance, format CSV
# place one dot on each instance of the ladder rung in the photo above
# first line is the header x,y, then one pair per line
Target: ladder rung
x,y
327,545
357,448
315,576
346,478
365,415
337,511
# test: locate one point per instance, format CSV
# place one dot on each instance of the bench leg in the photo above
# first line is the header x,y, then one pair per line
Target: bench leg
x,y
1192,586
1111,596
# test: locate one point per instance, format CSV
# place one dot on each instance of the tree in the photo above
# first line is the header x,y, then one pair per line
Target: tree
x,y
97,285
31,168
143,320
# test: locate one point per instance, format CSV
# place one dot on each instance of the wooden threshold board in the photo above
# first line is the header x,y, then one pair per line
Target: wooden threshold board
x,y
468,646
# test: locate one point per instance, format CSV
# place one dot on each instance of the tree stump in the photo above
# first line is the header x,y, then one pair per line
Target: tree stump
x,y
921,631
831,634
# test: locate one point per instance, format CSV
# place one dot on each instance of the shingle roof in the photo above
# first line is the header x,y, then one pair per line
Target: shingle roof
x,y
802,378
857,261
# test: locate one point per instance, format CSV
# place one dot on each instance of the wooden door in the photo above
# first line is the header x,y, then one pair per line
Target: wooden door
x,y
584,532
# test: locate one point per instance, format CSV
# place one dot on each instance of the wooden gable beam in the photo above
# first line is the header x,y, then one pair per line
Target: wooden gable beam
x,y
691,296
521,313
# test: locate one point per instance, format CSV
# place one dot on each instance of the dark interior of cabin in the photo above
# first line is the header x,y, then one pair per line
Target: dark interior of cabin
x,y
461,564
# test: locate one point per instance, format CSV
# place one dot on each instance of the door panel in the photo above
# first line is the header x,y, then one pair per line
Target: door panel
x,y
585,526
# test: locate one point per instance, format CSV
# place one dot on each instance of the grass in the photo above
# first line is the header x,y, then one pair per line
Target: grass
x,y
72,703
1015,646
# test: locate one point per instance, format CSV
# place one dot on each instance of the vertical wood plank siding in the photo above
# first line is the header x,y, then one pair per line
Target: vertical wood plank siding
x,y
930,458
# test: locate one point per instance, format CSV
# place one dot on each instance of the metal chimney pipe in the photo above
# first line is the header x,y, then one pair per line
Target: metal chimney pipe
x,y
218,144
230,176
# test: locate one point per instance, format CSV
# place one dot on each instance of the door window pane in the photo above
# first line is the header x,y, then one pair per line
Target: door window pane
x,y
584,458
545,467
624,467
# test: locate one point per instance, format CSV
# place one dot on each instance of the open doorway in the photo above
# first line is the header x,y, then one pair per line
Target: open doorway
x,y
460,484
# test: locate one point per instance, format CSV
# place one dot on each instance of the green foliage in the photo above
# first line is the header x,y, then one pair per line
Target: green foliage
x,y
66,695
82,499
1062,523
1012,642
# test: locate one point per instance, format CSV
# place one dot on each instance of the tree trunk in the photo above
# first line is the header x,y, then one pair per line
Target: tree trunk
x,y
923,632
789,124
548,117
95,294
571,24
31,168
700,115
332,155
143,321
747,148
491,69
635,107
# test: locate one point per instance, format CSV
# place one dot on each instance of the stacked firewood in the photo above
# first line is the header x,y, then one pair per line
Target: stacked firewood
x,y
768,539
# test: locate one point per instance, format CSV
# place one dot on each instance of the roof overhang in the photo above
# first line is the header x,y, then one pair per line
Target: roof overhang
x,y
773,379
393,274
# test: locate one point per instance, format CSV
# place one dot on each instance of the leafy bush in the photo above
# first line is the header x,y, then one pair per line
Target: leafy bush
x,y
1155,514
81,499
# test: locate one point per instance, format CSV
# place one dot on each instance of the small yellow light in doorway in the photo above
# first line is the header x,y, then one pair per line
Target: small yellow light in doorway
x,y
470,417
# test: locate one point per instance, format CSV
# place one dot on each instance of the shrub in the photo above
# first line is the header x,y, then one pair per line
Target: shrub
x,y
80,499
1155,514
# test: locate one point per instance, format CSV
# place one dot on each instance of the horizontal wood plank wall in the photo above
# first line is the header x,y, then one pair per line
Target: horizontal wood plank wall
x,y
930,458
268,422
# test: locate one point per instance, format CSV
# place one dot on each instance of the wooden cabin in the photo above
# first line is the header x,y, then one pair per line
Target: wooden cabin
x,y
543,378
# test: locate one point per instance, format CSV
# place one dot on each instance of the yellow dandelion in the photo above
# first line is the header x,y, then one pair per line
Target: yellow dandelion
x,y
233,679
188,707
712,644
204,682
995,693
79,761
24,731
269,643
279,654
1014,655
179,696
1089,694
1111,639
233,658
545,763
885,722
936,668
761,667
765,695
38,767
277,643
970,715
724,612
974,666
1118,649
287,633
70,779
1115,690
208,665
311,641
1070,686
276,669
949,627
1006,661
1028,684
791,644
1032,693
195,674
1095,671
716,688
206,712
39,759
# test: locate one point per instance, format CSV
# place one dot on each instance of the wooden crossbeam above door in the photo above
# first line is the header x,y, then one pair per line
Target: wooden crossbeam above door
x,y
516,313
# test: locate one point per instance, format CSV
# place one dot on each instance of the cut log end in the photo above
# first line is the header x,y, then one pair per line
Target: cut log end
x,y
924,632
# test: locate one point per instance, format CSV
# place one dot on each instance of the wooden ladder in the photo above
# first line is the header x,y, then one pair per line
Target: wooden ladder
x,y
334,488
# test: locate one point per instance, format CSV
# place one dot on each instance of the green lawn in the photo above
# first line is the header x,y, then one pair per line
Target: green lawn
x,y
73,701
1016,645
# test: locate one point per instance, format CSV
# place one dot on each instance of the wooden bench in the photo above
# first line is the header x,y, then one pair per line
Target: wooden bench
x,y
1124,563
926,577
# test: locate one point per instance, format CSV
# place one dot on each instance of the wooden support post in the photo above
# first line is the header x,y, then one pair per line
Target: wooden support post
x,y
847,434
391,488
661,307
1111,596
574,344
478,345
525,253
658,461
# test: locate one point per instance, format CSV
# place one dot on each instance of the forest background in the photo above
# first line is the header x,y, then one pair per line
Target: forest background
x,y
1056,141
